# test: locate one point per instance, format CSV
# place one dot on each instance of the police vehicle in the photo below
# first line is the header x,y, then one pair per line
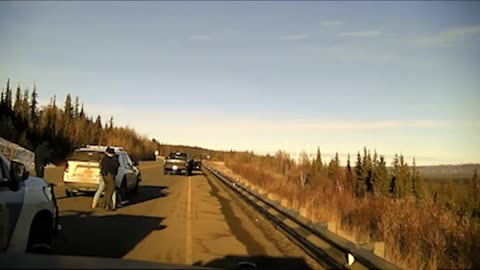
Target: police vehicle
x,y
28,211
82,171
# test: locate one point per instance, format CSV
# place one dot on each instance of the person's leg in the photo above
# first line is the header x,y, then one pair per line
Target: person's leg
x,y
109,189
114,198
39,170
98,193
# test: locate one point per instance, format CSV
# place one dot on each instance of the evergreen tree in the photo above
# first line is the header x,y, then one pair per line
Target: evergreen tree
x,y
382,177
318,162
17,105
405,180
8,97
33,108
360,187
394,189
368,170
76,112
25,106
68,109
349,175
82,113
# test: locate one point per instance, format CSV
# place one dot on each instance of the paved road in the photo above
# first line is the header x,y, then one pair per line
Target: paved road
x,y
174,219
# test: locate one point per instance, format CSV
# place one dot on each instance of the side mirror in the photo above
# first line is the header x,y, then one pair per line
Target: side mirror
x,y
18,171
135,163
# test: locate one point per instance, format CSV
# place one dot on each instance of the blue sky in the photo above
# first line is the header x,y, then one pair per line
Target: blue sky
x,y
401,77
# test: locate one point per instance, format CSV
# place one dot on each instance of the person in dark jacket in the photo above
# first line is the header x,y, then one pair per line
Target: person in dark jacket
x,y
42,158
109,169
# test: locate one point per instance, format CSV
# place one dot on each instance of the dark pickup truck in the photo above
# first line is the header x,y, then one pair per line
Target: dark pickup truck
x,y
197,163
178,163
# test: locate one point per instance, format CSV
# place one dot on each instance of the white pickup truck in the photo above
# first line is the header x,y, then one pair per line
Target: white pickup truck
x,y
82,171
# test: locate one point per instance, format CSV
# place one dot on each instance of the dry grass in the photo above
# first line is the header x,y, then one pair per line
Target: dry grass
x,y
418,234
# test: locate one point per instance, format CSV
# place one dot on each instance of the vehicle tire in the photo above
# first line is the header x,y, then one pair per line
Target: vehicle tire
x,y
164,172
68,193
135,189
39,240
123,189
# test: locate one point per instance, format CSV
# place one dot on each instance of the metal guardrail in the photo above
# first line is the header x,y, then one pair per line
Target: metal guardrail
x,y
304,229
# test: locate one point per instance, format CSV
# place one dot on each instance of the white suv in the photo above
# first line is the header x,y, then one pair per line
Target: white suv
x,y
28,210
82,171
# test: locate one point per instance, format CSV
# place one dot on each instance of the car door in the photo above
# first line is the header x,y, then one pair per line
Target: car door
x,y
11,203
129,172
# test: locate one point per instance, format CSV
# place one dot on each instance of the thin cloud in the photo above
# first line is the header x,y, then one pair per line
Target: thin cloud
x,y
338,126
200,37
304,126
331,23
295,37
447,38
370,33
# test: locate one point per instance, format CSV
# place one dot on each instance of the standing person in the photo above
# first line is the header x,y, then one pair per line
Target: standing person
x,y
109,169
42,158
100,189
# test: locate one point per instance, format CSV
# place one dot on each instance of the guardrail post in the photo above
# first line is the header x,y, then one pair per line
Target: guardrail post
x,y
303,212
332,226
284,203
379,249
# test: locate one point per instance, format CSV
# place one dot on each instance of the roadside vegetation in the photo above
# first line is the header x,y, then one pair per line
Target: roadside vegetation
x,y
64,124
423,226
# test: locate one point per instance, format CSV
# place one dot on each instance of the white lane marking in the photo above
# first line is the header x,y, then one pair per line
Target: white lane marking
x,y
188,243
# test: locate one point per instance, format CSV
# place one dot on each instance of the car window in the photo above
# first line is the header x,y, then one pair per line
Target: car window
x,y
127,158
178,156
4,172
121,159
92,156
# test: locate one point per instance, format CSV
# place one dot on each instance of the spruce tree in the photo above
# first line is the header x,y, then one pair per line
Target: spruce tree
x,y
34,117
76,112
394,186
17,105
382,177
8,97
349,175
360,187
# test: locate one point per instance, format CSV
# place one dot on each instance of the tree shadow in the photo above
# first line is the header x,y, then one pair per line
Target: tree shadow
x,y
261,262
146,193
103,236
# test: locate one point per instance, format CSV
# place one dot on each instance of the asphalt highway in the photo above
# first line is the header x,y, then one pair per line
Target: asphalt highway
x,y
175,219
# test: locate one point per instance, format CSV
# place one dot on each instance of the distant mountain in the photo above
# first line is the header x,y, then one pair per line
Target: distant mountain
x,y
463,171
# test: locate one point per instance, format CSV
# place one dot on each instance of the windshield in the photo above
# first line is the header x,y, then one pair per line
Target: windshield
x,y
177,156
247,130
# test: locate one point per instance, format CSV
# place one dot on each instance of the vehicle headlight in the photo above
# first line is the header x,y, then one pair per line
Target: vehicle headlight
x,y
48,192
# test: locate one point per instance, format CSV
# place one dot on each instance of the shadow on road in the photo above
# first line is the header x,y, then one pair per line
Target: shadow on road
x,y
194,173
262,262
146,193
103,236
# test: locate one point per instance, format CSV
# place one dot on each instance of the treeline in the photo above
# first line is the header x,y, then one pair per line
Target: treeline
x,y
368,176
66,126
371,200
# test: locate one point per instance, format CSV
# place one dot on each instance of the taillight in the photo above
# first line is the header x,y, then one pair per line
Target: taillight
x,y
66,168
